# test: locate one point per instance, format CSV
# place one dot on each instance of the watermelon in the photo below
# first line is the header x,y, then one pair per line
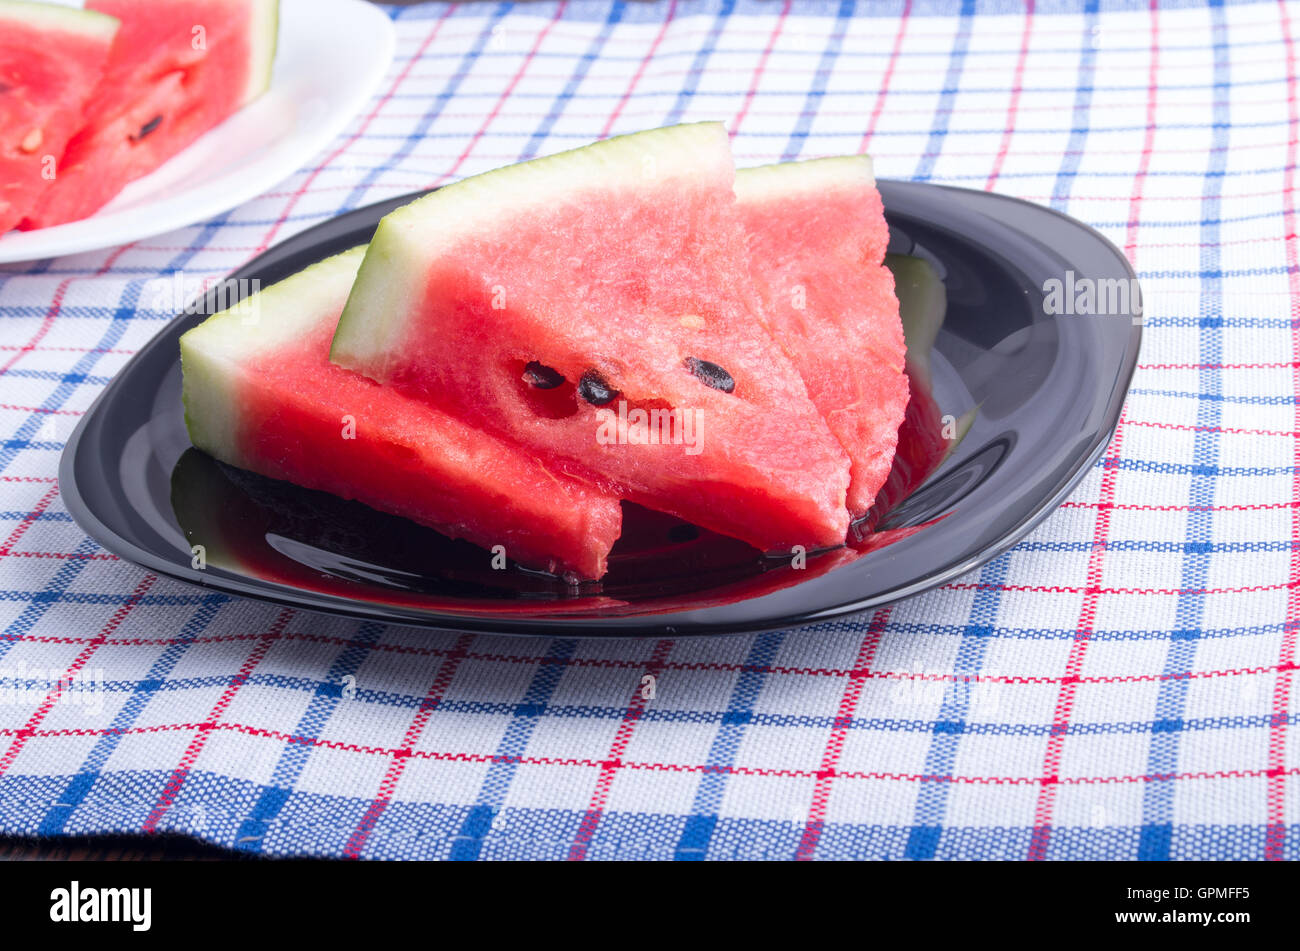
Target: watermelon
x,y
304,538
817,237
596,307
923,303
926,437
51,59
177,68
261,394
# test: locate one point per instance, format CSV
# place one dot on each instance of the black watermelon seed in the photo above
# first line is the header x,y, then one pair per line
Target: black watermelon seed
x,y
710,374
541,376
593,388
148,127
683,533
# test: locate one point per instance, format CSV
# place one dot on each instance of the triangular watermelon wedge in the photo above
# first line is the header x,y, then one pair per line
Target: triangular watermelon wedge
x,y
51,59
177,69
261,394
596,307
817,238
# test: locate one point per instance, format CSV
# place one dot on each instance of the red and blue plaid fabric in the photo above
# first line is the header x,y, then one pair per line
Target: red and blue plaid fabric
x,y
1122,684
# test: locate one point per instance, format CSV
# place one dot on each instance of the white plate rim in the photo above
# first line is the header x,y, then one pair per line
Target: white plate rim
x,y
112,227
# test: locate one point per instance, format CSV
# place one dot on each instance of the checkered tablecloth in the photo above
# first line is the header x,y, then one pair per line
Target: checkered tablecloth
x,y
1122,684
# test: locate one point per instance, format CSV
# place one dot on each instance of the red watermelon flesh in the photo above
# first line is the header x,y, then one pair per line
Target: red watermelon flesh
x,y
927,437
177,69
817,237
51,59
261,394
313,540
561,302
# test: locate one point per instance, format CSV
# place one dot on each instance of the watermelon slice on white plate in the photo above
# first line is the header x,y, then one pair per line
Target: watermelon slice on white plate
x,y
52,60
330,57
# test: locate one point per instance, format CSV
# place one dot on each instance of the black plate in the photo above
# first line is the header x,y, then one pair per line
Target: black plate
x,y
1044,393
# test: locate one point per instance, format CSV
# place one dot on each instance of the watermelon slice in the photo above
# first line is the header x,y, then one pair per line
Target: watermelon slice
x,y
177,68
596,307
51,59
817,237
303,538
261,394
922,446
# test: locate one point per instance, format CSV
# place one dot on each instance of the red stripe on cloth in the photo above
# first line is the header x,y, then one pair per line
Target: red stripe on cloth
x,y
658,766
1149,141
1075,589
360,131
758,70
42,409
1017,84
1084,630
501,100
9,346
1275,830
204,730
1288,365
882,90
613,761
401,756
46,323
1134,507
28,729
645,62
1156,424
812,830
28,520
609,664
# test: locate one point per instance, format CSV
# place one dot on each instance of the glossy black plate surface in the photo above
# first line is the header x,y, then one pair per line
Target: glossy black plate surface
x,y
1042,394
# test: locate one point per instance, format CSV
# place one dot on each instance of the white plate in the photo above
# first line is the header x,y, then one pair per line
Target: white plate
x,y
331,57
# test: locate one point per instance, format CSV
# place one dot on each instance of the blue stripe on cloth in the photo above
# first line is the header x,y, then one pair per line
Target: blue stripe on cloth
x,y
820,77
620,834
948,95
326,697
79,786
701,59
955,709
421,130
588,10
1158,794
514,742
742,91
580,70
693,844
1082,114
739,716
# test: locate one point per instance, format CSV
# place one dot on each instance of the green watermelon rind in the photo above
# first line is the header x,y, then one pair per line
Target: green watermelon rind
x,y
49,16
923,304
265,35
922,307
212,353
391,278
813,175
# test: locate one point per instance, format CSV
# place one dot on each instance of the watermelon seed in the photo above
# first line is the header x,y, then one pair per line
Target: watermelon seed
x,y
541,376
679,534
595,390
32,141
147,128
710,374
